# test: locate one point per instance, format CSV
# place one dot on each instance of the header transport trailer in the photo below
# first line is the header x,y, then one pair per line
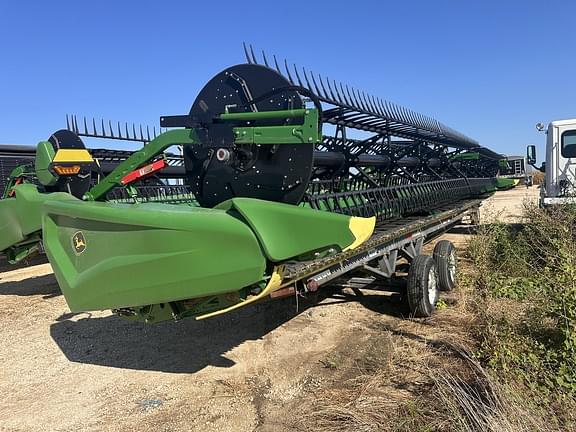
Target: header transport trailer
x,y
276,204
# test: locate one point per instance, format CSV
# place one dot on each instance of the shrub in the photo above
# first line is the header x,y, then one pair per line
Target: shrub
x,y
534,337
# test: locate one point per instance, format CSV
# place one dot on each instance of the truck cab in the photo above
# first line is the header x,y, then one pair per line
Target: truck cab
x,y
560,165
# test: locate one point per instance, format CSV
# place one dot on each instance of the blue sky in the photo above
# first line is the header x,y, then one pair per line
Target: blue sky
x,y
490,69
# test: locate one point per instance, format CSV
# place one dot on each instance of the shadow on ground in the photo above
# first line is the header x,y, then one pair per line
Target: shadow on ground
x,y
6,266
186,346
40,285
463,229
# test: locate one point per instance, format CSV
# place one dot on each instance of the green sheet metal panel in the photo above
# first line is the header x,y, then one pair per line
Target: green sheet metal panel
x,y
286,231
140,254
21,215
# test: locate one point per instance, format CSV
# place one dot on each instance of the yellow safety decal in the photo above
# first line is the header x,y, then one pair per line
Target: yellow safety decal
x,y
362,228
73,155
272,285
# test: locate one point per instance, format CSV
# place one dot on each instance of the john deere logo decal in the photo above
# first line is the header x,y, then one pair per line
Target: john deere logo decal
x,y
78,242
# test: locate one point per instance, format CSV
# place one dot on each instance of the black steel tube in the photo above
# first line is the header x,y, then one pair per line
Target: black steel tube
x,y
13,148
335,159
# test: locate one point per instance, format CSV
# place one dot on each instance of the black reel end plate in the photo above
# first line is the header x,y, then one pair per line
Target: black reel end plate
x,y
78,184
218,169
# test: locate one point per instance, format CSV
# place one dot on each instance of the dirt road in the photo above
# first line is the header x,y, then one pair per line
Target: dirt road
x,y
257,369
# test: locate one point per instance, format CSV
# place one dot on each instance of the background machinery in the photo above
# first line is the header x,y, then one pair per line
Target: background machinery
x,y
559,165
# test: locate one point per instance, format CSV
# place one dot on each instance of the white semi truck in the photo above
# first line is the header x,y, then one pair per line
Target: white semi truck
x,y
559,166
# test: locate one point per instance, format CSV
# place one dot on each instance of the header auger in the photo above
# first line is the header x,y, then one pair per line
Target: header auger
x,y
272,200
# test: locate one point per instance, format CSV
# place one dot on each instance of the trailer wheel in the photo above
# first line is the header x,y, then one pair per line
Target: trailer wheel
x,y
422,286
445,256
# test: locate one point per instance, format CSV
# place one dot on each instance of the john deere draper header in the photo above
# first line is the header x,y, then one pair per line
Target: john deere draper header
x,y
267,187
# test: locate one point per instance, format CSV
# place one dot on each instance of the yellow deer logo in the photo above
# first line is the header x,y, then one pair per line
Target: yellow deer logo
x,y
78,242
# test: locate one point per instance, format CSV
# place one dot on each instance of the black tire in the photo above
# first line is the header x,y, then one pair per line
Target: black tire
x,y
447,262
422,286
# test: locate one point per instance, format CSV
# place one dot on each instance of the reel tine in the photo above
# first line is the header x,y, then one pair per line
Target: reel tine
x,y
126,129
246,53
375,105
367,102
307,81
331,91
421,119
141,134
315,84
339,99
359,99
381,107
350,96
414,118
390,107
148,133
265,59
363,101
276,65
356,101
323,88
94,125
288,72
406,112
85,126
344,94
254,60
297,75
134,131
398,113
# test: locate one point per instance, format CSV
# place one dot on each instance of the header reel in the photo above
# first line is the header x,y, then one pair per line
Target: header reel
x,y
63,164
228,164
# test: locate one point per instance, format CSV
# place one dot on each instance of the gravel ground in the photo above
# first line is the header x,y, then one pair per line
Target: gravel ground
x,y
244,371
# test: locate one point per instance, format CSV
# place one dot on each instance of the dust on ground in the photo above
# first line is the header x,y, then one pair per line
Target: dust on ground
x,y
263,368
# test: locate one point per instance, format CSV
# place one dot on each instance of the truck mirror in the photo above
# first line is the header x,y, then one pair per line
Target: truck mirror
x,y
531,154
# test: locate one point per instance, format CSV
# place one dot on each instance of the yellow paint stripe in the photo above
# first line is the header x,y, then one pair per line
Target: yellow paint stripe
x,y
72,155
362,228
272,285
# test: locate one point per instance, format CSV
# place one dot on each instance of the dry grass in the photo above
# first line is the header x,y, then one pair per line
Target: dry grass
x,y
415,394
429,381
483,404
538,178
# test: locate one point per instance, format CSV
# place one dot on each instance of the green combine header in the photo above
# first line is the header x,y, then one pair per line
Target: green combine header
x,y
274,204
